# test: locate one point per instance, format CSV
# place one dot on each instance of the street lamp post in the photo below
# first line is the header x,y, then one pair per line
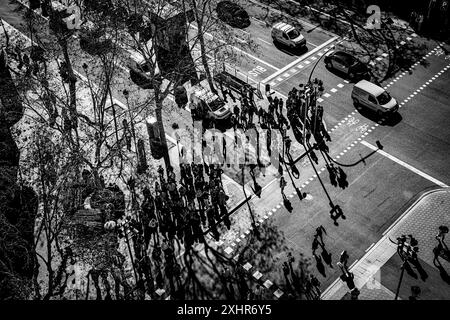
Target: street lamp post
x,y
347,276
407,250
133,133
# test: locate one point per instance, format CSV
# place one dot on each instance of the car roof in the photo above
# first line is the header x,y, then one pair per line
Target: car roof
x,y
283,26
369,87
343,53
229,5
204,94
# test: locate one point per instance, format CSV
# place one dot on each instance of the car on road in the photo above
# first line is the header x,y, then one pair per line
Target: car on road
x,y
374,97
288,35
346,64
232,14
207,103
141,69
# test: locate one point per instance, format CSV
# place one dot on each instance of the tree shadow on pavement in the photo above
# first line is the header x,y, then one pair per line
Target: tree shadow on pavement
x,y
267,253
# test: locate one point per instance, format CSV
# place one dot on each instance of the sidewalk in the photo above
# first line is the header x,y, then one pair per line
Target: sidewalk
x,y
377,272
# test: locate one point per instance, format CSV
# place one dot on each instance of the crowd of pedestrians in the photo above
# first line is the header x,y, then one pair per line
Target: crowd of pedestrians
x,y
185,209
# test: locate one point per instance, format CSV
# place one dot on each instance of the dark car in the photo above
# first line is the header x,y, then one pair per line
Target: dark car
x,y
232,14
347,64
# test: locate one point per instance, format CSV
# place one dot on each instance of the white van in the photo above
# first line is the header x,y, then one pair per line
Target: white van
x,y
374,98
288,35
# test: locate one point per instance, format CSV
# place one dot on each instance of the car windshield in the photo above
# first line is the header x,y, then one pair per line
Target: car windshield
x,y
348,60
216,104
384,98
293,34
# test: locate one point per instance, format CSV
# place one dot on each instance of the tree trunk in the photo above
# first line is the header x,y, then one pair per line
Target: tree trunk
x,y
162,133
72,86
199,19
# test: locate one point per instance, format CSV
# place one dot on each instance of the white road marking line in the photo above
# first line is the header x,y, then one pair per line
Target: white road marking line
x,y
354,263
290,65
333,90
240,50
265,41
326,95
240,40
340,85
307,62
320,100
314,45
404,164
260,21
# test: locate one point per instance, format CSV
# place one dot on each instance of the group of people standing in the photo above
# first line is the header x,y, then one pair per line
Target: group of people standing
x,y
186,209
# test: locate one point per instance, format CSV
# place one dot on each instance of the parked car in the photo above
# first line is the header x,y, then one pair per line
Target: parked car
x,y
93,40
140,70
207,103
232,14
374,98
347,64
288,35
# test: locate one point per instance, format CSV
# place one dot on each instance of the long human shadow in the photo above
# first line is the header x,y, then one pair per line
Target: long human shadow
x,y
422,273
320,266
437,263
363,159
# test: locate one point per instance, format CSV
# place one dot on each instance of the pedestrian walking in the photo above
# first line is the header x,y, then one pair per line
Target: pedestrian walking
x,y
415,292
315,284
236,111
283,184
287,143
286,272
224,91
280,165
269,96
344,258
280,104
251,112
443,230
275,103
231,95
319,234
